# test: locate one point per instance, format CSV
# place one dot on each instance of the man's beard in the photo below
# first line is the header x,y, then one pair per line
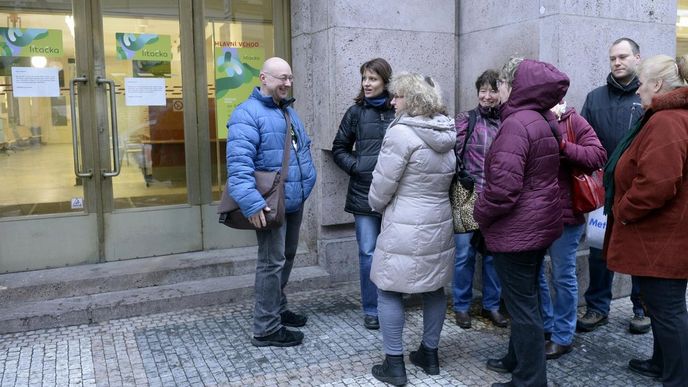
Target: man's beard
x,y
275,95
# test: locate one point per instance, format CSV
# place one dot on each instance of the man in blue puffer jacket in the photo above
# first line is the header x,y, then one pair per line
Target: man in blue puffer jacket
x,y
255,142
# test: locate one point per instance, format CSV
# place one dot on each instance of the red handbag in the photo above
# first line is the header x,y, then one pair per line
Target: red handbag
x,y
587,190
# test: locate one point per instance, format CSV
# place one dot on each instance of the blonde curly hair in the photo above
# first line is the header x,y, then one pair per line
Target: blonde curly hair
x,y
509,69
422,95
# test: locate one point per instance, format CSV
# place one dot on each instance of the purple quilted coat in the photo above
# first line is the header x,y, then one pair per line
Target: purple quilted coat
x,y
519,208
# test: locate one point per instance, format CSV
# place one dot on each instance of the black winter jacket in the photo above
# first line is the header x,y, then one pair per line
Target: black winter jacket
x,y
612,110
363,126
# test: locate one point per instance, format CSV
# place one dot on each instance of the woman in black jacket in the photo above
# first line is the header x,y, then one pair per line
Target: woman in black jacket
x,y
364,125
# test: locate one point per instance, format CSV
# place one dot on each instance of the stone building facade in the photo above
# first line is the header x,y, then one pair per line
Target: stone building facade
x,y
453,41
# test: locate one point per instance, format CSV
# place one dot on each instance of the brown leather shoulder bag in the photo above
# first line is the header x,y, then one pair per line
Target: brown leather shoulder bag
x,y
270,184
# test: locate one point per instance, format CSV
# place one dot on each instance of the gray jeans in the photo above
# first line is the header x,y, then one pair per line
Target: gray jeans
x,y
390,309
276,251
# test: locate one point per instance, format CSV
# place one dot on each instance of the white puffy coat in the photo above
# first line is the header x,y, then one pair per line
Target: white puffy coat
x,y
415,248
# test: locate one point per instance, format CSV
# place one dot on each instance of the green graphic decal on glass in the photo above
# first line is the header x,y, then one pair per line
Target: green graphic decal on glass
x,y
30,42
236,74
152,47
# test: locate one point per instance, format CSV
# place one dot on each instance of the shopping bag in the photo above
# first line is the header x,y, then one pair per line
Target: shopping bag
x,y
595,227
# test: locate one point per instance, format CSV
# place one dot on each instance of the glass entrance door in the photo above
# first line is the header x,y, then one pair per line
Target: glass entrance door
x,y
112,124
150,211
93,133
48,211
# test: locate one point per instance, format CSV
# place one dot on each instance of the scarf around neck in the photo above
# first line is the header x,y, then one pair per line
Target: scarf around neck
x,y
377,101
609,169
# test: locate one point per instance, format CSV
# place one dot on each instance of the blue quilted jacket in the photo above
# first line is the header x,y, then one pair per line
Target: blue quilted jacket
x,y
255,142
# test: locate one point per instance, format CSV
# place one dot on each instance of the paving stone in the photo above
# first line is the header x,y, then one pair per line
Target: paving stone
x,y
211,346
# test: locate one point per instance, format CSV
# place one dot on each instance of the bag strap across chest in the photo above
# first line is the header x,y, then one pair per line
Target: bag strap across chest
x,y
472,119
288,136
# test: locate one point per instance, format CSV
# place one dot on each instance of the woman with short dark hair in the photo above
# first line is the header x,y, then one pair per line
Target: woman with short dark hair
x,y
483,124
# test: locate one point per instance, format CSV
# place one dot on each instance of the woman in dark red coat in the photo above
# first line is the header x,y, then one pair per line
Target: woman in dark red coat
x,y
646,181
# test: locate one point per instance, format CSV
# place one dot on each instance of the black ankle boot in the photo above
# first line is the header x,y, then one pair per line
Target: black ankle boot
x,y
392,370
426,359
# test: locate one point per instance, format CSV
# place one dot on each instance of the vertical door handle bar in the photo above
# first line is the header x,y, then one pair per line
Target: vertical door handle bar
x,y
75,137
115,131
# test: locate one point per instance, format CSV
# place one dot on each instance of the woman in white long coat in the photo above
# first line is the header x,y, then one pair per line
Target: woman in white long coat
x,y
415,248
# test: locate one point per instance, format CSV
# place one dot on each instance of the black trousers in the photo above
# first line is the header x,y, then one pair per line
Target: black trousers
x,y
519,275
665,300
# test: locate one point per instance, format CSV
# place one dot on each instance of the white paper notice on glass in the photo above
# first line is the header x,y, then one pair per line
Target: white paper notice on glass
x,y
144,91
35,82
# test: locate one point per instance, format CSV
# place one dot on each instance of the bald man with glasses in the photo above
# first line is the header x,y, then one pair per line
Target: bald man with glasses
x,y
255,142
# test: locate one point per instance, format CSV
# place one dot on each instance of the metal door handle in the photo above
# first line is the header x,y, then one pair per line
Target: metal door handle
x,y
115,132
75,137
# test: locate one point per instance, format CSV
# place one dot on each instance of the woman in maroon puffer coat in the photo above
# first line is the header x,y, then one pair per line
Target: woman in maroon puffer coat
x,y
519,210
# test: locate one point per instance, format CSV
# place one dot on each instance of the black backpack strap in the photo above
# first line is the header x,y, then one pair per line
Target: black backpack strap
x,y
355,118
472,118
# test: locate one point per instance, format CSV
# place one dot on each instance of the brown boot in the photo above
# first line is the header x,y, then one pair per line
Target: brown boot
x,y
497,318
463,319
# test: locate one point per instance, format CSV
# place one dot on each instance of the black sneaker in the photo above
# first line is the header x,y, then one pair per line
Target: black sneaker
x,y
645,368
498,365
291,319
371,322
282,338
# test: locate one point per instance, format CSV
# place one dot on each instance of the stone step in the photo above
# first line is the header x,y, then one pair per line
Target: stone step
x,y
86,309
135,273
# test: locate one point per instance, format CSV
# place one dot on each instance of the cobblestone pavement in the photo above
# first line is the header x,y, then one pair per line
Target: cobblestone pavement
x,y
210,346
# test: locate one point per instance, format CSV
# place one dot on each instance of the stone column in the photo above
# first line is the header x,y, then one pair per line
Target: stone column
x,y
330,40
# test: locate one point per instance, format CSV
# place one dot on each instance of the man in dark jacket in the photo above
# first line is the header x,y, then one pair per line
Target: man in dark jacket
x,y
612,110
257,132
